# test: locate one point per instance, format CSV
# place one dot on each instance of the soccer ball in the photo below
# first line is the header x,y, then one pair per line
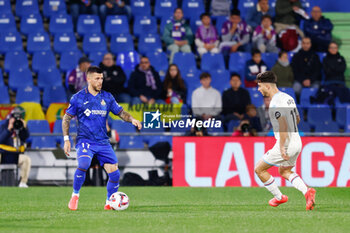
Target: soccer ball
x,y
119,201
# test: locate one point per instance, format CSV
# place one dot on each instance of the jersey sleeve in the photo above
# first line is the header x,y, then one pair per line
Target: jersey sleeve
x,y
115,108
72,108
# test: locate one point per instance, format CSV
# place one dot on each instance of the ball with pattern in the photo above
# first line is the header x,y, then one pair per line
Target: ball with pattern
x,y
119,201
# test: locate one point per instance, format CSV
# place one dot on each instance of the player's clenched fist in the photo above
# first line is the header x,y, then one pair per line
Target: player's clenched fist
x,y
136,123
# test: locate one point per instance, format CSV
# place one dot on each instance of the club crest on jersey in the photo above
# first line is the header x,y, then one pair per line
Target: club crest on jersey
x,y
84,150
103,103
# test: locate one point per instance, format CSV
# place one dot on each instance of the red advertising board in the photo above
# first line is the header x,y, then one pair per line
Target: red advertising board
x,y
230,161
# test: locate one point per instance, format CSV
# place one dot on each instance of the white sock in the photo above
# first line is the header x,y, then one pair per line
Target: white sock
x,y
273,188
75,194
298,183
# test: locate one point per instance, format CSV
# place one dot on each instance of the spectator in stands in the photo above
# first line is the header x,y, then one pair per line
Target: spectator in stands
x,y
252,116
319,29
178,35
286,12
113,7
244,130
144,84
14,133
253,67
235,100
306,67
79,7
206,100
334,65
174,86
207,39
283,70
235,35
219,7
77,77
255,14
263,113
264,37
197,131
114,79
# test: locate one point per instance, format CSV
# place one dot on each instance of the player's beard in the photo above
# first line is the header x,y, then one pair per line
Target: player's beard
x,y
97,88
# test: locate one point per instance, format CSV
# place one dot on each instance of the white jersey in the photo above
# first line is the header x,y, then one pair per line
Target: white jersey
x,y
284,105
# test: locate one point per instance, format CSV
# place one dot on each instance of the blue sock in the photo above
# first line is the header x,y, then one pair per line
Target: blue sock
x,y
79,176
113,183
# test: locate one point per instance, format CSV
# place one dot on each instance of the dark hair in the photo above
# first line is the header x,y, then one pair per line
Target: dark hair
x,y
266,77
178,8
167,81
94,69
235,12
204,75
333,42
203,15
281,53
143,57
235,75
266,17
255,51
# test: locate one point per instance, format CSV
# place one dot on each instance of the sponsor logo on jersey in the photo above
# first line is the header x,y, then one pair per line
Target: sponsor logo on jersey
x,y
88,112
103,103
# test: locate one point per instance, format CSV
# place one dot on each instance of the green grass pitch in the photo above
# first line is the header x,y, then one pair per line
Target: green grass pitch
x,y
168,209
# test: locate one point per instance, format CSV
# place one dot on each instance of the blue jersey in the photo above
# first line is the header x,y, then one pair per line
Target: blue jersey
x,y
92,112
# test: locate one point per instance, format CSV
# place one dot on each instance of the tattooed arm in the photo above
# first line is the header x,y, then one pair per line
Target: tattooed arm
x,y
128,118
65,129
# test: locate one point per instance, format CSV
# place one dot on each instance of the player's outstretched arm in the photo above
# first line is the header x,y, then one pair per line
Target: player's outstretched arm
x,y
65,129
127,117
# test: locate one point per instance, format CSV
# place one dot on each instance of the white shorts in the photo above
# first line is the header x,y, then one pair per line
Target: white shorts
x,y
273,157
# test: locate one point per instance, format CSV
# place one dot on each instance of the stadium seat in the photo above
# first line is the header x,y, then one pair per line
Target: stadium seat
x,y
88,24
185,61
321,56
304,126
49,77
7,23
290,56
131,142
212,61
128,60
20,78
4,95
163,22
159,61
57,128
54,94
191,78
43,142
245,5
123,127
37,126
145,25
54,7
220,79
232,124
28,94
10,41
116,24
1,79
255,96
95,42
64,42
121,43
140,7
326,127
270,59
149,43
289,91
164,8
15,60
31,24
305,95
43,60
5,7
61,23
26,7
220,20
192,8
195,22
69,60
319,114
341,117
96,57
237,62
38,42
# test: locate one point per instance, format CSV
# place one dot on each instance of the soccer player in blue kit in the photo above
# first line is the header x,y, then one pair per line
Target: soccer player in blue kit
x,y
91,107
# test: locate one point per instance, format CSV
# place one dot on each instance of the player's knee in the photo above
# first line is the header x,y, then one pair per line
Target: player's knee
x,y
257,170
84,163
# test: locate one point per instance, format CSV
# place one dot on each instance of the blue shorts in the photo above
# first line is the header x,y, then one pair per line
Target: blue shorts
x,y
104,152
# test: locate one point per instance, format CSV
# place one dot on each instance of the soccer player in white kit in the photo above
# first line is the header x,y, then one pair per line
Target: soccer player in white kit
x,y
284,117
